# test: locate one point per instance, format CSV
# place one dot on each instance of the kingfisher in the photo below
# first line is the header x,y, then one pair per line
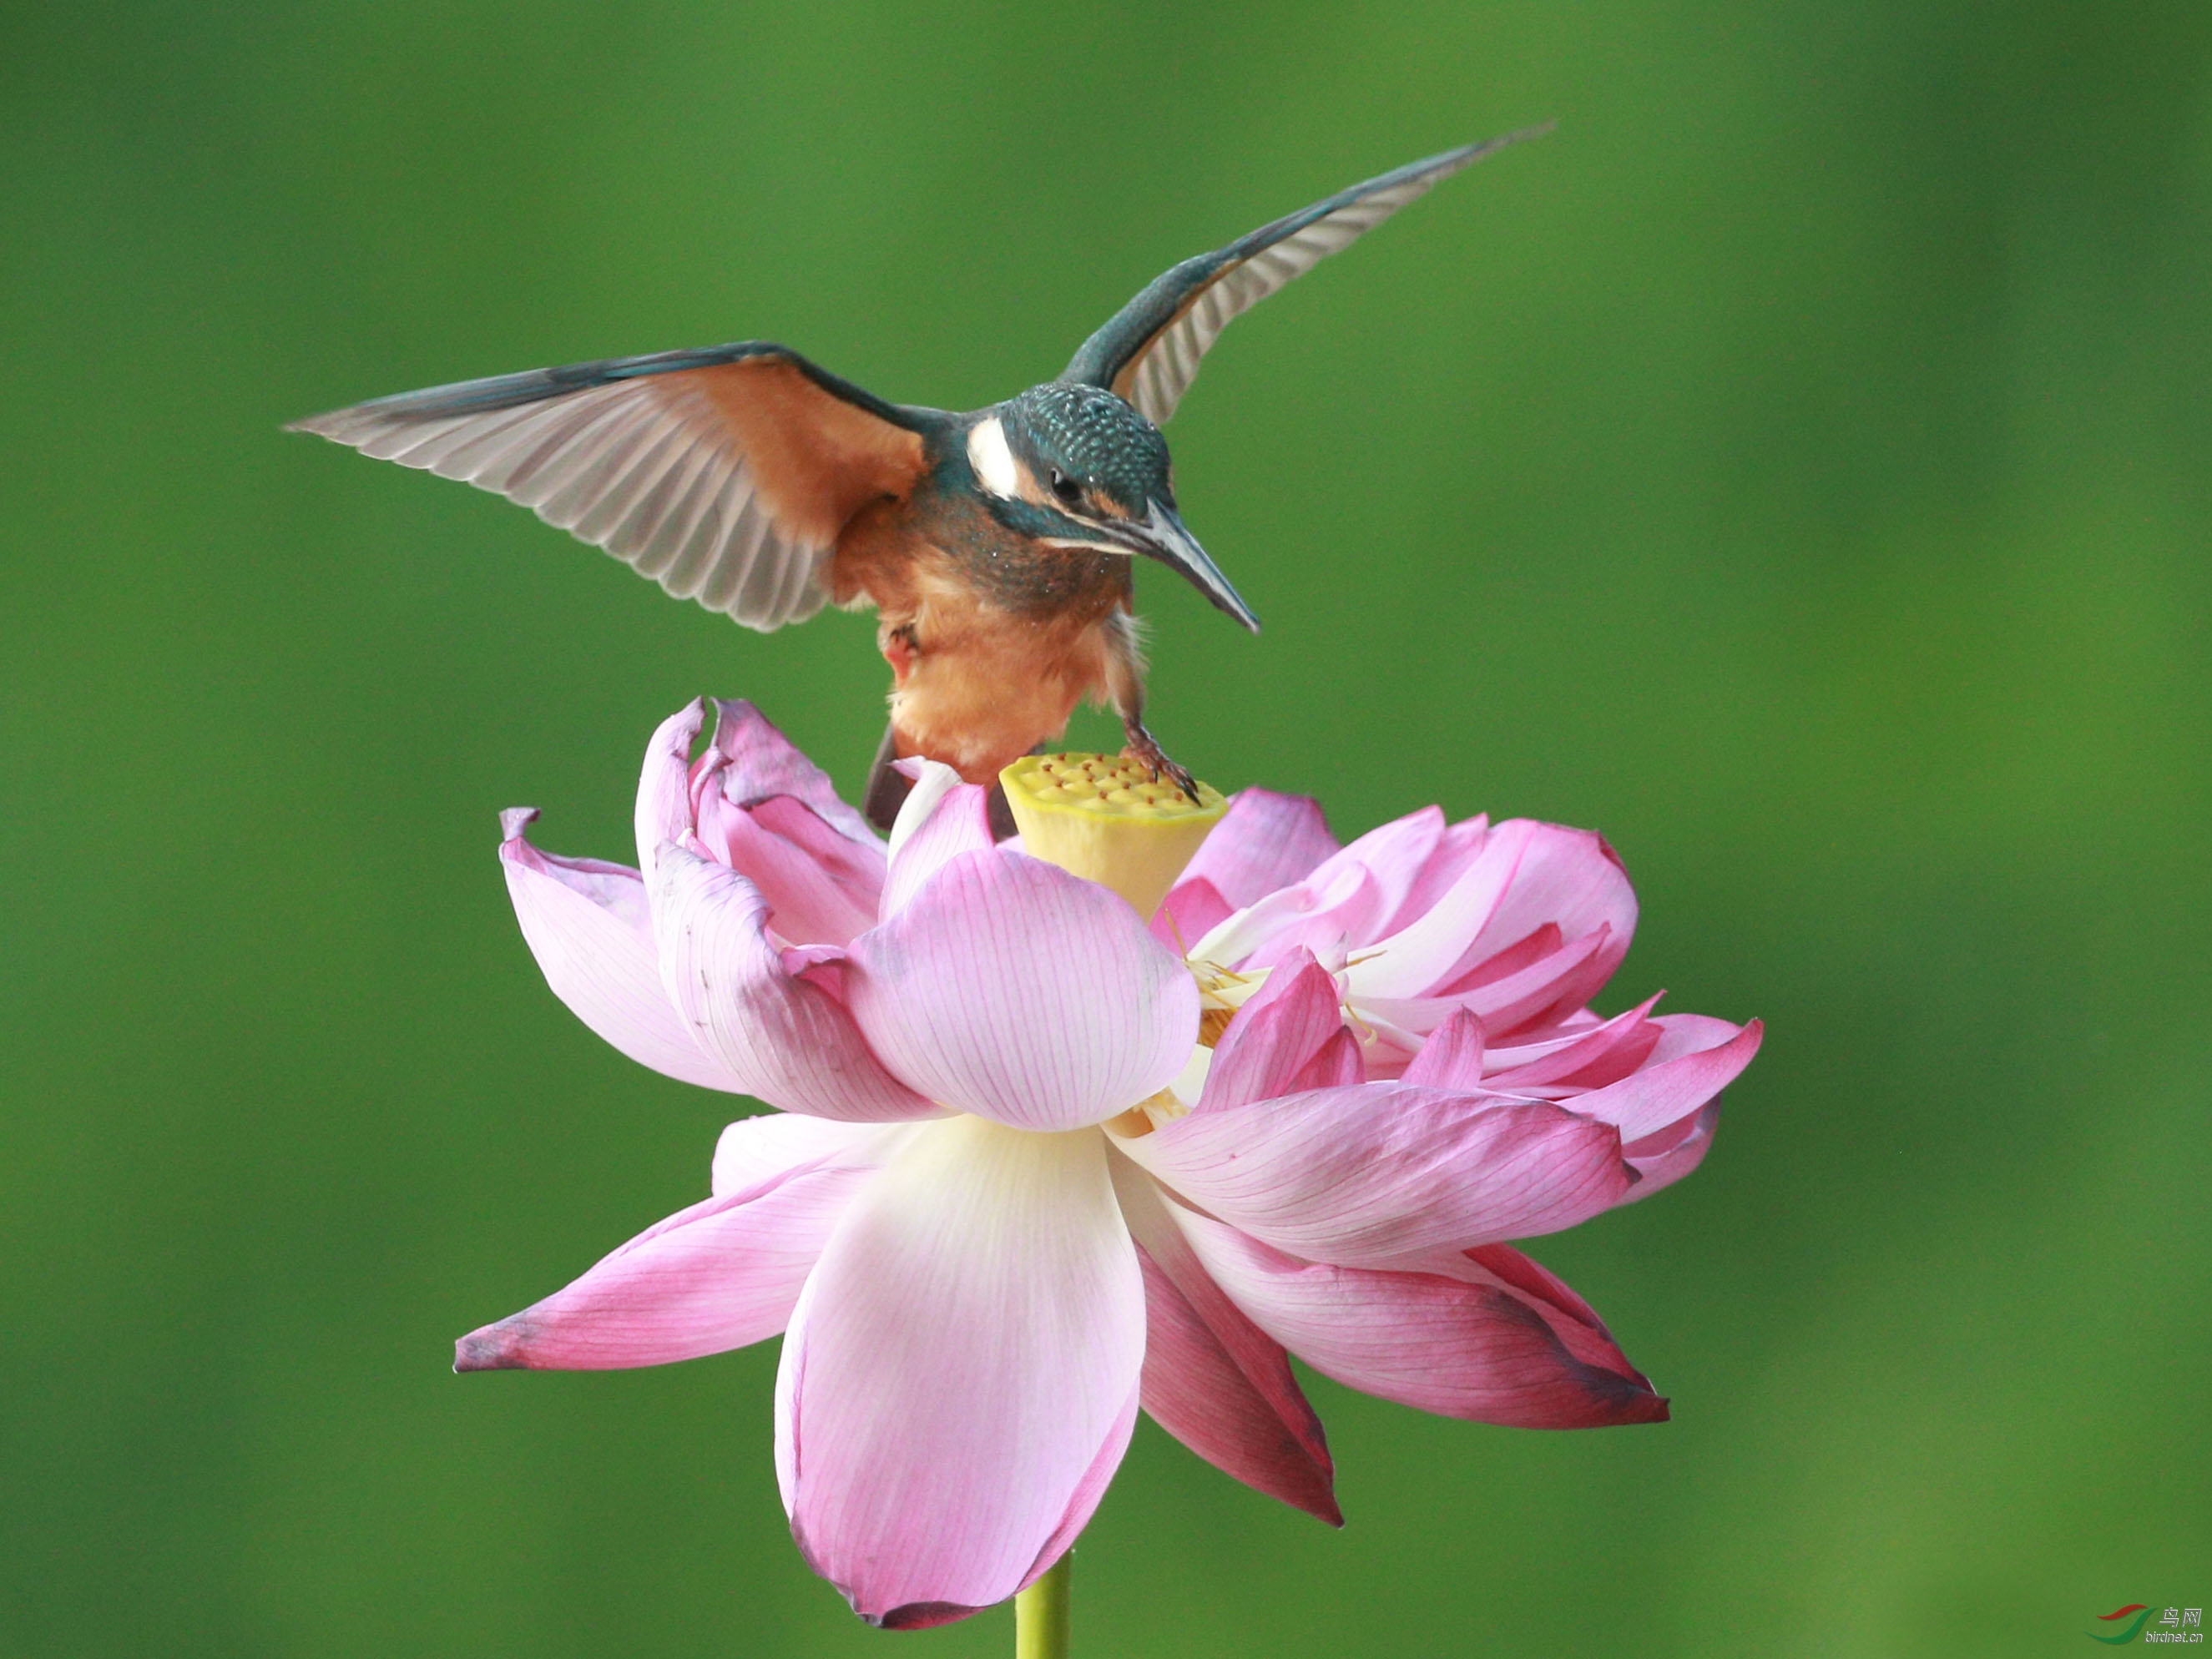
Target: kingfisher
x,y
997,547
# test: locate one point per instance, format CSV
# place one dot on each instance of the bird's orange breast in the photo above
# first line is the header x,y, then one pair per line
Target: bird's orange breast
x,y
977,682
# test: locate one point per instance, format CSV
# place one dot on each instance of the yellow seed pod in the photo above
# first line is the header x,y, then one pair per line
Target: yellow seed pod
x,y
1104,817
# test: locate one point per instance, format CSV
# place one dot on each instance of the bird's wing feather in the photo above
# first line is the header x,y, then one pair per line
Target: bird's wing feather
x,y
724,474
1148,352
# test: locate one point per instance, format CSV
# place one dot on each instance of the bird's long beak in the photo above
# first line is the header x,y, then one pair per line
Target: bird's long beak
x,y
1161,536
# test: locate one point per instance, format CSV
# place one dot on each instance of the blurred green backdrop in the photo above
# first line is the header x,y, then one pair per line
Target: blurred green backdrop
x,y
1797,468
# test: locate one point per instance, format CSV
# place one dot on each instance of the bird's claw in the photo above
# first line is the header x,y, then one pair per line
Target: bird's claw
x,y
1142,746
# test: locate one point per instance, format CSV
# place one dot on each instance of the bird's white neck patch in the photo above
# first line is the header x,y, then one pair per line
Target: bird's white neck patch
x,y
992,461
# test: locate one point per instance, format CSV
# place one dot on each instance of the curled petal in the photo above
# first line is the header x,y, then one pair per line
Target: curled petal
x,y
1558,979
1278,1032
1580,1059
1214,1380
1341,904
1457,848
1493,967
1690,1034
1574,1323
1433,1342
942,818
929,782
1554,978
1568,879
1265,840
788,1039
587,922
747,762
961,1372
1534,1284
1429,949
1394,855
717,1276
1314,916
1672,1090
1010,988
822,887
1367,1175
750,761
664,786
1662,1159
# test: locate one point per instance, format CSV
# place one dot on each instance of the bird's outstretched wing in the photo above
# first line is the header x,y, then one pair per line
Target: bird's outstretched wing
x,y
725,474
1148,352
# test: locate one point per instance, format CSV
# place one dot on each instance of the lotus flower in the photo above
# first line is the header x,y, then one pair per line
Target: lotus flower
x,y
1033,1167
1476,946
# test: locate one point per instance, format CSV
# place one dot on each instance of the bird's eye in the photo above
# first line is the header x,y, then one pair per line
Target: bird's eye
x,y
1067,488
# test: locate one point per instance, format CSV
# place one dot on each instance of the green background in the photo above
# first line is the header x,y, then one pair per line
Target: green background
x,y
1797,468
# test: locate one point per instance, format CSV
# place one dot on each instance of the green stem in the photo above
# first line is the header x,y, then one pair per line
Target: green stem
x,y
1044,1612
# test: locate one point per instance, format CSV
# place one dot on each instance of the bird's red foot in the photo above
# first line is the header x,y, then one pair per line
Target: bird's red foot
x,y
900,646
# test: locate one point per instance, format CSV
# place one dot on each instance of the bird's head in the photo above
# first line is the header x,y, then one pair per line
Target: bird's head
x,y
1074,466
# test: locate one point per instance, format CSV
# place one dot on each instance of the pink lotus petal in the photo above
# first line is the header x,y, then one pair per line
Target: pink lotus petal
x,y
927,1615
1214,1380
856,866
824,886
942,818
1193,908
1342,905
1457,849
1505,1006
1491,968
929,782
1689,1034
1580,1059
1309,915
960,1371
1194,1387
1274,1036
1338,1064
789,1040
1088,1491
1437,1344
664,786
1566,979
1671,1089
1429,951
587,925
1010,988
810,902
1265,840
750,761
755,1151
1535,1283
1394,855
717,1276
1664,1159
1364,1176
1452,1058
1574,1324
1568,879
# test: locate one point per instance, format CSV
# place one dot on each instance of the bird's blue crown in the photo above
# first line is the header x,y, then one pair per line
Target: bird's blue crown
x,y
1091,437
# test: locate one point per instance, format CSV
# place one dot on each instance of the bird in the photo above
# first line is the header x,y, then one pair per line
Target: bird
x,y
996,546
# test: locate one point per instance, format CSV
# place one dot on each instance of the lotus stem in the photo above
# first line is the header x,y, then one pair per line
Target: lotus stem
x,y
1044,1612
